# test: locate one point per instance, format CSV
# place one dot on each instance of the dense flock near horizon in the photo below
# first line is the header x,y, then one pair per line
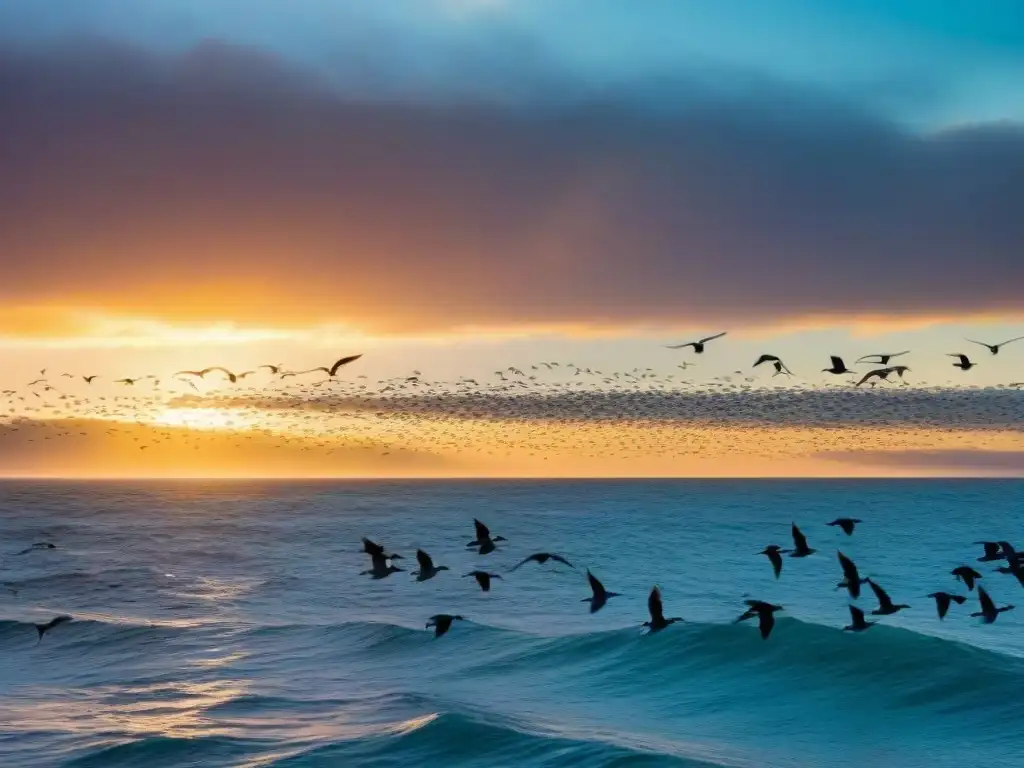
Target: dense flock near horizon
x,y
335,408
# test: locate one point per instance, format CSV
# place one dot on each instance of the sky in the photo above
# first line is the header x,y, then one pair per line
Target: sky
x,y
458,187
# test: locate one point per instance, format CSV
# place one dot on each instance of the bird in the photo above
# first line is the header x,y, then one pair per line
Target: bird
x,y
541,558
780,367
126,382
765,612
600,596
332,371
967,575
994,348
274,369
857,621
441,623
483,538
883,358
838,366
42,629
993,551
202,374
965,363
800,544
37,546
427,568
374,549
658,621
883,373
851,576
847,524
698,346
885,604
381,568
773,552
989,613
89,379
943,600
483,578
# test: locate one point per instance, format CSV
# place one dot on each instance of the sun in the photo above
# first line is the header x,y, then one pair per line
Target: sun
x,y
201,418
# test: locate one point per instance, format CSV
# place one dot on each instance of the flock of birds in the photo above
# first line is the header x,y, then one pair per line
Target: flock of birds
x,y
382,566
520,411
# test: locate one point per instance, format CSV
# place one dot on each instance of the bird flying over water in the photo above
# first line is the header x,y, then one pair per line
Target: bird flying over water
x,y
541,558
994,348
600,594
886,607
989,613
373,549
42,629
780,367
427,568
964,363
658,621
773,552
800,548
381,568
851,576
698,346
847,524
765,613
883,358
943,600
857,621
332,371
441,623
483,538
483,578
838,366
967,575
993,551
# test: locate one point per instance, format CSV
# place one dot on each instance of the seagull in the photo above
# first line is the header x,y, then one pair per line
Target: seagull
x,y
427,568
658,621
851,576
943,599
483,538
838,366
994,348
42,629
965,363
885,604
773,552
765,613
483,578
883,358
967,575
441,623
780,367
698,346
989,612
381,568
600,596
800,544
332,371
543,557
373,549
846,523
859,624
202,374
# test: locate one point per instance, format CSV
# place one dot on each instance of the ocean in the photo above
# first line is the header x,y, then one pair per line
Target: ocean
x,y
222,623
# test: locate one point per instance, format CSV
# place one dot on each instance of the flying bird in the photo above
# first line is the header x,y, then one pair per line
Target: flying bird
x,y
838,366
800,548
483,578
698,346
373,549
483,538
967,575
773,553
381,568
994,348
765,613
658,621
847,524
989,613
427,568
943,600
332,371
857,621
993,551
780,367
964,364
851,576
600,594
441,623
541,558
886,607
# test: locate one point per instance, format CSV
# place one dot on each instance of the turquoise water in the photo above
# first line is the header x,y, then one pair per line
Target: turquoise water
x,y
225,624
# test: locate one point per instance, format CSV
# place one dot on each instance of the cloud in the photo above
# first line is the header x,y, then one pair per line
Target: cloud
x,y
222,185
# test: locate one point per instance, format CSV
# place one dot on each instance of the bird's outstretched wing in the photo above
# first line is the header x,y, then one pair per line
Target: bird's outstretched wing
x,y
681,346
595,585
987,606
560,559
343,361
424,560
799,540
765,359
706,339
1008,341
482,531
881,594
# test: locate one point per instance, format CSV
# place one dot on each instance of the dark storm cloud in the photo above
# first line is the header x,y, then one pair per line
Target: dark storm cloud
x,y
222,184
